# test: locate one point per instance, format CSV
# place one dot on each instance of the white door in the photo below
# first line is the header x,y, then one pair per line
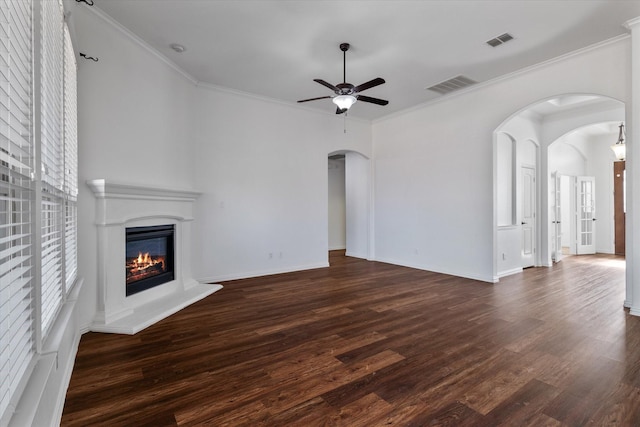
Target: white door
x,y
585,215
528,216
557,220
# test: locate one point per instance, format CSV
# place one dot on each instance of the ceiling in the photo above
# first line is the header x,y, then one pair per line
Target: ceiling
x,y
275,48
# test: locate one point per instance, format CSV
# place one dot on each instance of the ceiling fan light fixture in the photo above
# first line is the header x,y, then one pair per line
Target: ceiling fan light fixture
x,y
344,102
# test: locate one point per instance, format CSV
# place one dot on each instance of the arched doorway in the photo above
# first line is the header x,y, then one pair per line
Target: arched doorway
x,y
581,165
542,123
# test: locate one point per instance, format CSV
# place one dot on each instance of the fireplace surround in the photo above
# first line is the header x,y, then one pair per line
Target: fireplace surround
x,y
124,207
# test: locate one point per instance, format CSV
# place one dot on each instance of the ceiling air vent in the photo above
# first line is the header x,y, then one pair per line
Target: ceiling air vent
x,y
500,40
451,85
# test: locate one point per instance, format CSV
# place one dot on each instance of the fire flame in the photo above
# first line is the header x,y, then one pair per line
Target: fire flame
x,y
144,261
144,265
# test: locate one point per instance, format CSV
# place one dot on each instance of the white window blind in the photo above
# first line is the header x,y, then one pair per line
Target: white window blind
x,y
70,161
17,344
52,161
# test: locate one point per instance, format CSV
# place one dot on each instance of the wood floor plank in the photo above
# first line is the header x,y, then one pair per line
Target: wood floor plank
x,y
524,406
371,344
368,410
456,414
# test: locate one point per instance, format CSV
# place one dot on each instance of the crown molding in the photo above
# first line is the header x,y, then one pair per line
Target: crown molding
x,y
508,76
631,23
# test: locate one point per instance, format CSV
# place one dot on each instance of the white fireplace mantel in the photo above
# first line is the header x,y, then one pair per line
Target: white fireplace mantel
x,y
118,206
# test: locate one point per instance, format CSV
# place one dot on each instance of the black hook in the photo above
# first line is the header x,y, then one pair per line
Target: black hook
x,y
89,2
88,57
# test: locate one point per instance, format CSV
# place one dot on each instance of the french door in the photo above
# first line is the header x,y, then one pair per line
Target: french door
x,y
585,215
557,220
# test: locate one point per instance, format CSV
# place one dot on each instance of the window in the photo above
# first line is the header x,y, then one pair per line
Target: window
x,y
70,162
17,283
38,184
51,161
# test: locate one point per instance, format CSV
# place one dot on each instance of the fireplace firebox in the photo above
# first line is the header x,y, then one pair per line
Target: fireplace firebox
x,y
149,256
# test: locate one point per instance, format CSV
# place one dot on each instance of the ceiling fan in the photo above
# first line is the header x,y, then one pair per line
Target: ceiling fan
x,y
347,94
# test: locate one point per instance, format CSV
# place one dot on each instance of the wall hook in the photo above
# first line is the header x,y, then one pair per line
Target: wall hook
x,y
89,57
89,2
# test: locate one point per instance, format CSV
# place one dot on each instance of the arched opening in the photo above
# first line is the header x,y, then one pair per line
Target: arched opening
x,y
581,165
349,203
571,136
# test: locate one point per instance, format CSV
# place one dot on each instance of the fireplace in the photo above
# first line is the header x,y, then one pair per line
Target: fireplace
x,y
149,258
148,228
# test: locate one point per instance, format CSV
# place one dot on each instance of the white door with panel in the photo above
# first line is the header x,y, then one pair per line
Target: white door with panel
x,y
585,215
528,213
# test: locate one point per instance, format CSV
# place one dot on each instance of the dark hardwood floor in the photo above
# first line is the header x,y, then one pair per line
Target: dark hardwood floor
x,y
372,344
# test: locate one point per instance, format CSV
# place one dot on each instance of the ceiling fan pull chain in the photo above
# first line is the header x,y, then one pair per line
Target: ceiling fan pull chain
x,y
345,122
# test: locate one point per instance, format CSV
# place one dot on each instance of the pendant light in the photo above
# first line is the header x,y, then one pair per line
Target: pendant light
x,y
619,147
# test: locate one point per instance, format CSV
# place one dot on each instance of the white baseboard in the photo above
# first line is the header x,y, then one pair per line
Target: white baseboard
x,y
258,273
509,272
356,255
464,275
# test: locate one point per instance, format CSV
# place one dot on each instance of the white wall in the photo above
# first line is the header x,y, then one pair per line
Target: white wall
x,y
434,164
262,168
337,205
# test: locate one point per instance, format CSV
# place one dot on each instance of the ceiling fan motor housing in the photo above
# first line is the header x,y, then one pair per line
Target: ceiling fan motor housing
x,y
345,89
